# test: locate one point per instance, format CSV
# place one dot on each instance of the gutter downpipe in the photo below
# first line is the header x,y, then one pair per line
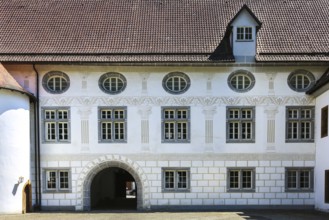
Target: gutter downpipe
x,y
37,145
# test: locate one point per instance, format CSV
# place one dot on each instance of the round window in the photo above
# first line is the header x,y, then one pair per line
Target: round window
x,y
112,83
300,80
241,81
176,83
55,82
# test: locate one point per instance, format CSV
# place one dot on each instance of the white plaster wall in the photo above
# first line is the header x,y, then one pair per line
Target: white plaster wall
x,y
322,152
14,149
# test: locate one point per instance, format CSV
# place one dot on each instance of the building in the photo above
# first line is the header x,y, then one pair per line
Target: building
x,y
108,104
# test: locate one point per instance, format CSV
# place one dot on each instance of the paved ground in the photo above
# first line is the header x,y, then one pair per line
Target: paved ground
x,y
227,215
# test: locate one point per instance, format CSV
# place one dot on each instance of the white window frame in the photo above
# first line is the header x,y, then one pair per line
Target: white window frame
x,y
245,35
299,124
240,179
298,178
240,76
112,79
175,128
57,180
296,80
176,179
109,121
172,83
56,86
240,120
56,127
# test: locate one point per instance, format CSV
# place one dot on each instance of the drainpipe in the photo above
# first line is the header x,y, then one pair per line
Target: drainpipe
x,y
37,144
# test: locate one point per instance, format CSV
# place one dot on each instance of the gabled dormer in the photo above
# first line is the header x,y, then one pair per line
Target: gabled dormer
x,y
244,27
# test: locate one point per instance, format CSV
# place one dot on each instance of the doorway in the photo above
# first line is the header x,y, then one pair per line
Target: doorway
x,y
113,189
27,198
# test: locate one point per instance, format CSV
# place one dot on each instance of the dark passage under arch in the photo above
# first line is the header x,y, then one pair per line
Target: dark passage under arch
x,y
113,188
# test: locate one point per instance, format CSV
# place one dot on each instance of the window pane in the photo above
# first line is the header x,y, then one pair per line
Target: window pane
x,y
234,179
181,130
169,179
63,180
247,179
182,179
119,131
106,114
50,114
292,179
304,179
50,131
169,130
106,128
63,131
51,180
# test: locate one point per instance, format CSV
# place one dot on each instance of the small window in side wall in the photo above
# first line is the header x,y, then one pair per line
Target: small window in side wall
x,y
56,82
176,83
244,34
326,186
324,122
57,180
299,179
241,179
300,80
112,83
175,179
241,81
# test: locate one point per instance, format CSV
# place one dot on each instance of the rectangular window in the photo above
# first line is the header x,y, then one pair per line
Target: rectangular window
x,y
56,124
57,180
324,122
326,186
240,124
113,124
176,124
300,124
241,179
175,179
299,179
244,33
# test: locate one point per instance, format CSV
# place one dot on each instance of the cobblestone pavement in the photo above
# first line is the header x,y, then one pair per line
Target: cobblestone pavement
x,y
234,215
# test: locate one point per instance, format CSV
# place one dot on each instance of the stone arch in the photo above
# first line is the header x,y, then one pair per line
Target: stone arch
x,y
94,167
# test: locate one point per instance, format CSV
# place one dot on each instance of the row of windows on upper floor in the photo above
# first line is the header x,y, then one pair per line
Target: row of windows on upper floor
x,y
239,179
176,124
175,82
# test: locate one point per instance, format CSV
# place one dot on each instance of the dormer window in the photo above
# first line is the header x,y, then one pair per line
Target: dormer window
x,y
244,33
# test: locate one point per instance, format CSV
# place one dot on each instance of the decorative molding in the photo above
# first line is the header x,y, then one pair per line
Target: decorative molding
x,y
271,78
174,100
271,112
144,77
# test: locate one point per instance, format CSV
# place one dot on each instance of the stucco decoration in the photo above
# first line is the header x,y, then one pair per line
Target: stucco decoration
x,y
188,100
94,167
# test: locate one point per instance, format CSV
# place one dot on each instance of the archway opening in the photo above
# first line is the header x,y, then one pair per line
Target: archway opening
x,y
113,188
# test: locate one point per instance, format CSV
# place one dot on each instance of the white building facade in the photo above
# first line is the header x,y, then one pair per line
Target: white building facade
x,y
180,133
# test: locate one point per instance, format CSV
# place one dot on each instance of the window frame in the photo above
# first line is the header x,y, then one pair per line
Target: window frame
x,y
324,121
113,122
237,75
298,171
56,122
176,75
300,73
244,34
176,182
55,75
57,188
112,75
176,121
240,121
299,122
240,171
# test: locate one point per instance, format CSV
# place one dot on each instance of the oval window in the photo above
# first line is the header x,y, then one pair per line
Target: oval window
x,y
300,80
241,81
112,83
176,83
55,82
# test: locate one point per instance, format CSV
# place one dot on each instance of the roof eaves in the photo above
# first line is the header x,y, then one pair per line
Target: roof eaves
x,y
321,83
245,7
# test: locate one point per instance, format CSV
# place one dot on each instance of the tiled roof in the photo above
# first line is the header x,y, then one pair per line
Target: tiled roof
x,y
157,29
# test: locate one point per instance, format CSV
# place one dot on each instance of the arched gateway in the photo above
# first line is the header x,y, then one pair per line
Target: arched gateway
x,y
95,167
